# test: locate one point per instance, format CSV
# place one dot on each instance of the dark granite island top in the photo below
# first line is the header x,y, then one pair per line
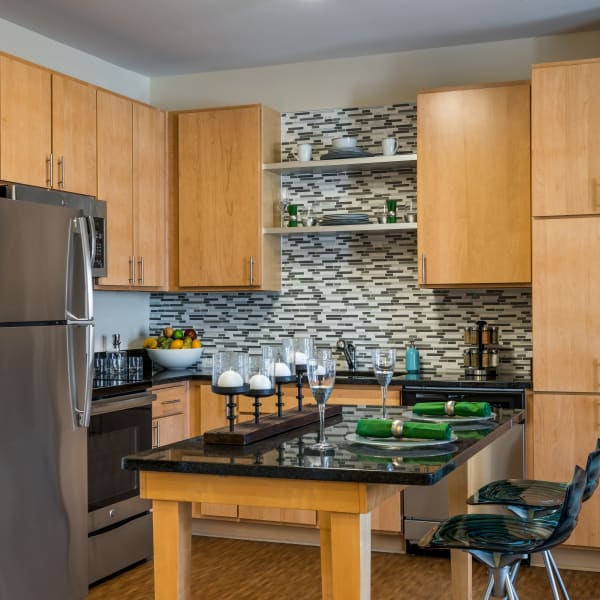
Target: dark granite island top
x,y
288,456
281,472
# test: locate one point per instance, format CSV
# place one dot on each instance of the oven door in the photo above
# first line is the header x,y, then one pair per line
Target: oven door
x,y
118,426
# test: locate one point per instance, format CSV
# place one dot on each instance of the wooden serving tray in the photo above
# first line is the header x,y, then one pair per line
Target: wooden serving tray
x,y
270,425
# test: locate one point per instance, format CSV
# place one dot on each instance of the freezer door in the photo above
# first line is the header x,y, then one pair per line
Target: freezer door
x,y
34,261
43,469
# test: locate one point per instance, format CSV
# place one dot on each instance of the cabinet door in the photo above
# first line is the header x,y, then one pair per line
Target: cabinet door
x,y
565,138
74,135
362,394
566,314
563,431
115,184
169,430
149,200
473,186
25,110
220,212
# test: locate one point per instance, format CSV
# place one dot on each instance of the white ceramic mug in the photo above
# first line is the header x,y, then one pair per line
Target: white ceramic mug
x,y
304,152
389,146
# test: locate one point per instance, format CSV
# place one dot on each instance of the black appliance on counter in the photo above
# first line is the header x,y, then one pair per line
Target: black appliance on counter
x,y
119,521
425,507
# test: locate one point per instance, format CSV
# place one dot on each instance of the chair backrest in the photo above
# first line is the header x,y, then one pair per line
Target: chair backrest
x,y
592,469
569,512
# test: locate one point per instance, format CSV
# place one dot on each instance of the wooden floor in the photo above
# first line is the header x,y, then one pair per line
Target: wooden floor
x,y
226,569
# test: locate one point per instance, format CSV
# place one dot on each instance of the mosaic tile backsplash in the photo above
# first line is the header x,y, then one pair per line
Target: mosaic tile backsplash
x,y
362,287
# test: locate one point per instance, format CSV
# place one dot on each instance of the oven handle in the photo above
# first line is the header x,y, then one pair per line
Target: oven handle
x,y
118,403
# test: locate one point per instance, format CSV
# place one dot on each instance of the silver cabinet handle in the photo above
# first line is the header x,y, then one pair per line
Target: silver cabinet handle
x,y
141,270
132,270
61,172
50,170
174,401
251,270
423,268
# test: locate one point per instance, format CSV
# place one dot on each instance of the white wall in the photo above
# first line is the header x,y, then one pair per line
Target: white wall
x,y
43,51
369,80
126,313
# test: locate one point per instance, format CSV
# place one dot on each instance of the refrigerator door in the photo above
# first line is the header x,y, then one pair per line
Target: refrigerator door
x,y
35,240
43,469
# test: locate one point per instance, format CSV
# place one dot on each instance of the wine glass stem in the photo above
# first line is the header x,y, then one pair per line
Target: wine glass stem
x,y
383,399
321,423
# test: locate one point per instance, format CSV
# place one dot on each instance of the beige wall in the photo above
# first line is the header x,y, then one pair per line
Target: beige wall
x,y
54,55
369,80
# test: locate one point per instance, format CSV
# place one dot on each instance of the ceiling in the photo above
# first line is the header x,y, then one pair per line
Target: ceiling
x,y
169,37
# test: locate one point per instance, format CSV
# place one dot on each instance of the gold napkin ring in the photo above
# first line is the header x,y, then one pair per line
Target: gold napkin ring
x,y
449,408
397,427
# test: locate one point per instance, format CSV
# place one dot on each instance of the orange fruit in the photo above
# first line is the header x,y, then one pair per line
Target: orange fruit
x,y
196,344
176,344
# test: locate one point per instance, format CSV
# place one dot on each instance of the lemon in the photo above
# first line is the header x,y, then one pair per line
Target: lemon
x,y
176,344
150,342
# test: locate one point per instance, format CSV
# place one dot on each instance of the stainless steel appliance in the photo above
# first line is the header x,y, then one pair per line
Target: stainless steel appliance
x,y
46,352
504,458
94,210
119,521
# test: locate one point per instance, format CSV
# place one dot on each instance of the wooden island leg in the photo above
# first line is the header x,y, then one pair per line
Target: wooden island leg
x,y
345,556
172,523
461,562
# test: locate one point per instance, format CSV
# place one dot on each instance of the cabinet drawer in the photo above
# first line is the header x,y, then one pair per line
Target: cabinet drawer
x,y
169,401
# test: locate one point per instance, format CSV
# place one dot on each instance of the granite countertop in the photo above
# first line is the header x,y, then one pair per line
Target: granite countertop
x,y
289,455
425,378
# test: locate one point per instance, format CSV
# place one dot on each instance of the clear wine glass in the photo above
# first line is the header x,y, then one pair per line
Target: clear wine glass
x,y
384,361
320,372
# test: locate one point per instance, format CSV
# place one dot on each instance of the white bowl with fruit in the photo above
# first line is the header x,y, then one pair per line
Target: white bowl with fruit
x,y
175,348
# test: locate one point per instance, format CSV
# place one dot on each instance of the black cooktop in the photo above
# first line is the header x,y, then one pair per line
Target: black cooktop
x,y
103,388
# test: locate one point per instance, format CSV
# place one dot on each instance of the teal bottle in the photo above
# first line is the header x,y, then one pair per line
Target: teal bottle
x,y
412,357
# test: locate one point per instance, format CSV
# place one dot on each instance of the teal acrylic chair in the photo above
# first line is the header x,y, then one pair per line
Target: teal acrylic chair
x,y
501,541
530,498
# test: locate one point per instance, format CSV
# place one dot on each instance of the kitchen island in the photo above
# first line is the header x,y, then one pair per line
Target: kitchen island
x,y
344,487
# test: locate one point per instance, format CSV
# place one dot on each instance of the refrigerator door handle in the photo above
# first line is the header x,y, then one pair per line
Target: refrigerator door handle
x,y
92,238
79,230
81,403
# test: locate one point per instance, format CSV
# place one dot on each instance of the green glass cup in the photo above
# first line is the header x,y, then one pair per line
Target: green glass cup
x,y
391,211
292,210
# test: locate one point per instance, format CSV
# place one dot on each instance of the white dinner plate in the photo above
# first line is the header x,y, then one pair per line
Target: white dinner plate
x,y
445,419
396,443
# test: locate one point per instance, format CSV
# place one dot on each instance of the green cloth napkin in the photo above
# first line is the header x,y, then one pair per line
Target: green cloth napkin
x,y
461,409
383,428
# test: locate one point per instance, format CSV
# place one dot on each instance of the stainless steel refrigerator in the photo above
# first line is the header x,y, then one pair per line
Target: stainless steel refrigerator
x,y
46,352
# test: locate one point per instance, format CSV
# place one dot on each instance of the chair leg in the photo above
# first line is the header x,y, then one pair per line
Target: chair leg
x,y
557,574
510,590
553,576
514,570
500,582
490,586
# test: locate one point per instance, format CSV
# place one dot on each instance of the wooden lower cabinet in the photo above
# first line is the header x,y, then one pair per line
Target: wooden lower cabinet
x,y
562,431
170,420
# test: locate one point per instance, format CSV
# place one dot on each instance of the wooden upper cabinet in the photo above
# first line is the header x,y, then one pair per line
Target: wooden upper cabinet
x,y
74,135
566,138
473,186
149,199
115,183
566,317
26,131
222,196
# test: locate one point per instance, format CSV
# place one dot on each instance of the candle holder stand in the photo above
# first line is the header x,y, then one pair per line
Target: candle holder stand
x,y
230,393
279,381
257,395
300,370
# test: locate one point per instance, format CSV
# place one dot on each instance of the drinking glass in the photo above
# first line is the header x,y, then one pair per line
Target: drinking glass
x,y
320,372
383,365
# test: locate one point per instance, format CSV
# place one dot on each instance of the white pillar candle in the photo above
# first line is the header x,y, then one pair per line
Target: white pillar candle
x,y
230,379
300,359
282,370
260,382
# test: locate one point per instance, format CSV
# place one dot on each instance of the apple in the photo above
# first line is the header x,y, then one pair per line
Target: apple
x,y
191,333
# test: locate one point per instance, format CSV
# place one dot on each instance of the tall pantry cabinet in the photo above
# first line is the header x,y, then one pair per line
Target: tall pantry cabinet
x,y
564,415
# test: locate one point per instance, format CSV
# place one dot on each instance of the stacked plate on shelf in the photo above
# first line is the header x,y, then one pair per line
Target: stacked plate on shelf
x,y
346,219
340,153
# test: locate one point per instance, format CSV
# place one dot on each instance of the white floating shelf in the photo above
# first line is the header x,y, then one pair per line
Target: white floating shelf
x,y
324,229
347,164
